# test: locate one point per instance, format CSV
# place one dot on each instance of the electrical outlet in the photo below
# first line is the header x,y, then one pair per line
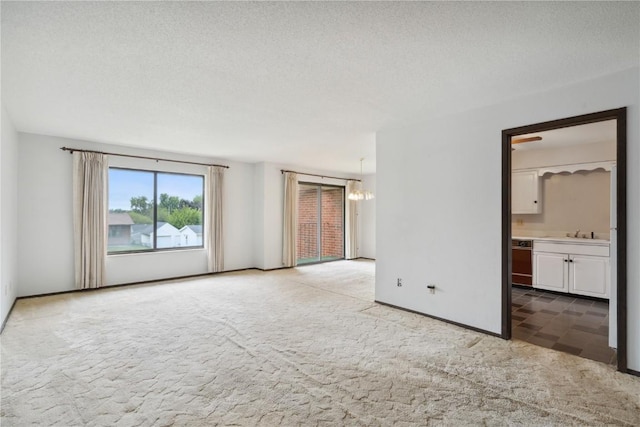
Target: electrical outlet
x,y
399,283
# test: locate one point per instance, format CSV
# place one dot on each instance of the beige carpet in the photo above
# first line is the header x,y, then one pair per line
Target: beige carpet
x,y
292,347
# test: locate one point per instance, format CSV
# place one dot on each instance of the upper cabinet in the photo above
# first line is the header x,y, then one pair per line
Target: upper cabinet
x,y
526,186
525,192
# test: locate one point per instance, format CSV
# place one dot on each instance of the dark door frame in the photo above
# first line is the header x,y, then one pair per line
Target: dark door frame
x,y
620,115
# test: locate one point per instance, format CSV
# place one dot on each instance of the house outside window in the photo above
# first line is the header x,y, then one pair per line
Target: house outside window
x,y
150,210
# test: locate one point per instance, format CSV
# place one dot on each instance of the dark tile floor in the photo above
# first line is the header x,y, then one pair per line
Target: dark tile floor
x,y
562,322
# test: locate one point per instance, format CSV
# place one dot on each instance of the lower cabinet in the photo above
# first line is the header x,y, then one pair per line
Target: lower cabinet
x,y
550,271
583,271
589,275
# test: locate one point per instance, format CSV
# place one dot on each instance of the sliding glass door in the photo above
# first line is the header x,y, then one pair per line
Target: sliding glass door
x,y
320,223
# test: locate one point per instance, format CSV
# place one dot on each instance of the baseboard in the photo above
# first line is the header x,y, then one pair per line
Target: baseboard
x,y
169,279
270,269
144,282
4,322
462,325
313,263
633,372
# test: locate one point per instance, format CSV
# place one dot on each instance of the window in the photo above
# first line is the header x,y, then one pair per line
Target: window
x,y
320,223
154,210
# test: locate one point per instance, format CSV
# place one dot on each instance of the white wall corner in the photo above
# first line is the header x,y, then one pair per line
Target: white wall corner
x,y
8,214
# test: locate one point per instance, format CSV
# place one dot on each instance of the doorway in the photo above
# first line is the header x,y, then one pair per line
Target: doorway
x,y
320,223
618,232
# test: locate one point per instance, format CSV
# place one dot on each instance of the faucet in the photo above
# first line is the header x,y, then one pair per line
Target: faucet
x,y
577,233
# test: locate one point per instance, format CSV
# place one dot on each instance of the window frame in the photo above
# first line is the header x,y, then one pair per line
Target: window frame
x,y
319,186
155,213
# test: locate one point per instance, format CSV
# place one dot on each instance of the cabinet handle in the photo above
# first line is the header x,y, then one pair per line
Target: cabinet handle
x,y
565,260
570,260
535,201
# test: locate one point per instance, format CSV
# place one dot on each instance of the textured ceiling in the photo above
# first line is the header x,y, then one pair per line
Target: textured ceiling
x,y
307,84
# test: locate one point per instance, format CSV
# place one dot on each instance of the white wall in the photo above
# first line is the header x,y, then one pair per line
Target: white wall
x,y
367,244
259,192
253,209
570,202
8,215
273,216
584,153
267,216
45,217
439,203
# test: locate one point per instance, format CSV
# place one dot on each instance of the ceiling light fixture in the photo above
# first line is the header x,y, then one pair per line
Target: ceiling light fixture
x,y
528,139
522,140
358,194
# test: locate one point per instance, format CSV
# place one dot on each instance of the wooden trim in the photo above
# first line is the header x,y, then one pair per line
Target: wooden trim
x,y
620,115
633,372
461,325
621,234
567,122
506,237
4,322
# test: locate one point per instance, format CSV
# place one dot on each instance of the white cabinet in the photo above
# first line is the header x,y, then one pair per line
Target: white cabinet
x,y
568,266
589,275
550,271
525,192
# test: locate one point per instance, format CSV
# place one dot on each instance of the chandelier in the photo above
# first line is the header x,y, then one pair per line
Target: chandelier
x,y
359,194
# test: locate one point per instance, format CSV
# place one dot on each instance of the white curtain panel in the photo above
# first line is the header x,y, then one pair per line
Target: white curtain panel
x,y
290,232
90,218
213,220
351,226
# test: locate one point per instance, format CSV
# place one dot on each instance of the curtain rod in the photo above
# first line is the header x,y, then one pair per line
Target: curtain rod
x,y
157,159
321,176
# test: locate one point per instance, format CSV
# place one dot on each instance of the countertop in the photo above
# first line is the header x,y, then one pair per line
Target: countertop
x,y
577,240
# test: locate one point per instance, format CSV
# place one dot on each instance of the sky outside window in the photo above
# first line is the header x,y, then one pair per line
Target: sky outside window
x,y
137,222
125,184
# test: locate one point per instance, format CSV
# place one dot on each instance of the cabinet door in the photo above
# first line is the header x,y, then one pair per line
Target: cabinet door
x,y
550,271
589,275
525,192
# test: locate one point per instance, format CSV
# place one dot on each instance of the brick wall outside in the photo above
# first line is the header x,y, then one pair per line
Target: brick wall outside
x,y
307,222
332,222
